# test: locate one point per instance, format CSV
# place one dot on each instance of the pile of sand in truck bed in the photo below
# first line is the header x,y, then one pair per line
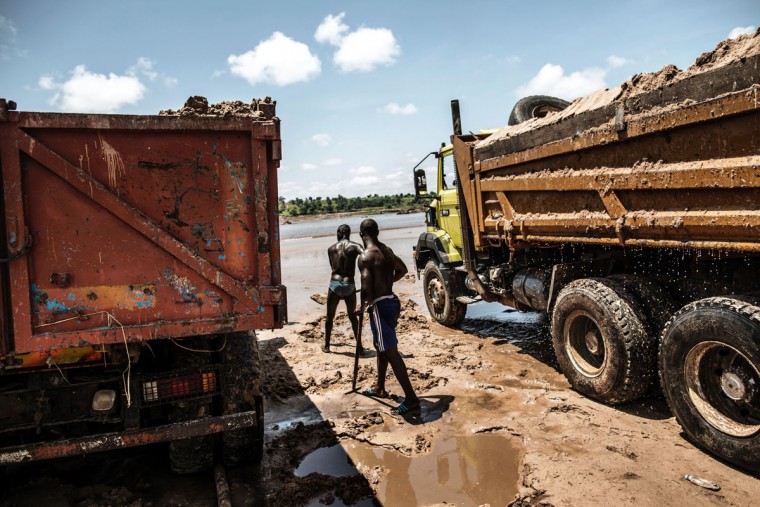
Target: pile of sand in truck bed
x,y
727,52
199,106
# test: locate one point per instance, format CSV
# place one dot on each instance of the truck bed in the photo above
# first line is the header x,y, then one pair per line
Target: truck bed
x,y
128,228
674,165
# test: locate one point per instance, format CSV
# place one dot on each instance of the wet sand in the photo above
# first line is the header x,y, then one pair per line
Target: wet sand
x,y
499,424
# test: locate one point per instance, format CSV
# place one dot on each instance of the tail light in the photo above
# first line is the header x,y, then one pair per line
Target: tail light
x,y
163,390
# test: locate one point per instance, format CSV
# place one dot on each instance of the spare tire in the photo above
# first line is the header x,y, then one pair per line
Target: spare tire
x,y
535,106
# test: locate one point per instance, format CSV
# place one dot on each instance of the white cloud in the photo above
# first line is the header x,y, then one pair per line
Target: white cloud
x,y
552,80
398,181
741,30
8,30
364,181
278,60
331,29
88,92
363,170
322,139
332,162
47,83
8,33
361,50
144,66
615,61
514,59
394,108
365,49
308,167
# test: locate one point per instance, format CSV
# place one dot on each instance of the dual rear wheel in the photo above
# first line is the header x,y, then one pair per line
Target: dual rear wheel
x,y
605,335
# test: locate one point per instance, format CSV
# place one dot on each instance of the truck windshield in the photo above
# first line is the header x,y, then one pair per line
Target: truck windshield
x,y
449,172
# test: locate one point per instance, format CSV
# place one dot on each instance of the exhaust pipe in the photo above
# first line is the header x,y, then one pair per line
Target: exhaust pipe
x,y
468,246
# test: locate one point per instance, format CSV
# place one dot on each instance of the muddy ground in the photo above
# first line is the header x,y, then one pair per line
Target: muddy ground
x,y
499,424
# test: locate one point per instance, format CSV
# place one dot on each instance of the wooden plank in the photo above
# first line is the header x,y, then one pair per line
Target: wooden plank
x,y
640,125
722,175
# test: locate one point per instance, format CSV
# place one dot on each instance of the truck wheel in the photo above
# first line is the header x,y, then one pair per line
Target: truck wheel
x,y
602,345
710,373
442,306
241,391
658,305
191,455
535,106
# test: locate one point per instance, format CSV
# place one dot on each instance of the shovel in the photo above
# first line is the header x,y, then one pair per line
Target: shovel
x,y
356,353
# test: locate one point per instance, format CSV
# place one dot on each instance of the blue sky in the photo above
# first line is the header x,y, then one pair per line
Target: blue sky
x,y
362,87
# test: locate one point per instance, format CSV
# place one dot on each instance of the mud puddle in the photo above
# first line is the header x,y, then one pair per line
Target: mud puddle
x,y
462,470
331,460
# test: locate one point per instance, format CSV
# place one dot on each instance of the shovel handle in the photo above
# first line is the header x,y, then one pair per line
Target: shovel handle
x,y
356,351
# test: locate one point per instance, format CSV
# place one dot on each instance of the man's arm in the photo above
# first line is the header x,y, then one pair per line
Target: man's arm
x,y
399,268
331,254
367,282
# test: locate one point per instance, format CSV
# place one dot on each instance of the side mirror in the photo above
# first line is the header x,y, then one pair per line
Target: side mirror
x,y
420,183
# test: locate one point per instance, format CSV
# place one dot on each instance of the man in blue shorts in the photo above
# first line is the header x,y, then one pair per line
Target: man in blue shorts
x,y
342,257
380,268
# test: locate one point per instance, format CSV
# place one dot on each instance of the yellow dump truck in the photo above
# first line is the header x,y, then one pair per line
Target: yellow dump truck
x,y
631,217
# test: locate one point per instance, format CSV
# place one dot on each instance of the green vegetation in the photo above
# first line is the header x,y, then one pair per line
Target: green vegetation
x,y
371,203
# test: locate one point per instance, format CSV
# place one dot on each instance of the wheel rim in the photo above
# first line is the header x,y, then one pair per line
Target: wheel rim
x,y
584,344
724,387
436,294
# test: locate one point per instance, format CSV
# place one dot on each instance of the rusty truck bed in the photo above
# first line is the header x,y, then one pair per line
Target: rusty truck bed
x,y
675,167
128,228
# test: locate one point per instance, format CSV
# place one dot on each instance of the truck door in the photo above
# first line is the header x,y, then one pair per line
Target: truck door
x,y
448,208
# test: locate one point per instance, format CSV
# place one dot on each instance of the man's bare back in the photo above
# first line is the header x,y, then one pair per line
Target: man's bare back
x,y
379,268
342,257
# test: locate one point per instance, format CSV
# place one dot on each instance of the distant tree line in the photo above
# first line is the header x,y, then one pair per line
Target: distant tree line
x,y
318,205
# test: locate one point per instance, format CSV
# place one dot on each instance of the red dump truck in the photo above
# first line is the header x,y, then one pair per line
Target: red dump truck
x,y
632,218
140,254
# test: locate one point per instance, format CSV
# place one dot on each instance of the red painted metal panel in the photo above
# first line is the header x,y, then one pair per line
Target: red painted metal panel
x,y
142,227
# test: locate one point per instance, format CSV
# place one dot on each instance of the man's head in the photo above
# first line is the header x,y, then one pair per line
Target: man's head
x,y
344,231
368,228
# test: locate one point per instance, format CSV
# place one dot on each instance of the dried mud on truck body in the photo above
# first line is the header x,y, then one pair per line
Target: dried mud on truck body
x,y
142,254
632,217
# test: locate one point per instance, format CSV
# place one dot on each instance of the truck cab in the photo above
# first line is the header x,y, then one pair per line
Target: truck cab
x,y
438,253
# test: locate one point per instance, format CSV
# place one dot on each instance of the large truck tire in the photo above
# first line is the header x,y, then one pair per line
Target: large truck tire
x,y
535,106
657,304
710,373
442,305
242,392
195,454
602,344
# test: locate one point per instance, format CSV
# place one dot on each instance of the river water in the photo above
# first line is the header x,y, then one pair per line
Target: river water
x,y
329,226
306,269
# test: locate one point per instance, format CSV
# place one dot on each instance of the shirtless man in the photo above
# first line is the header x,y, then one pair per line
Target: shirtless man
x,y
342,256
380,268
